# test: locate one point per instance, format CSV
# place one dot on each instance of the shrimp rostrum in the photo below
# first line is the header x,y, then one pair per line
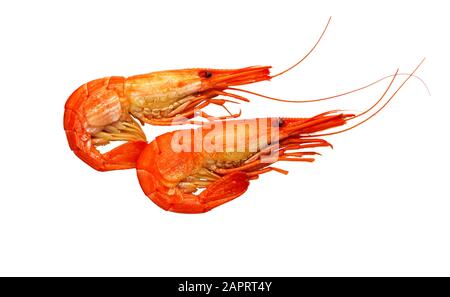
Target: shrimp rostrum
x,y
196,170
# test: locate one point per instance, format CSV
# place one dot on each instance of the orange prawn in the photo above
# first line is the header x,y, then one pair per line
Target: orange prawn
x,y
176,166
105,109
114,108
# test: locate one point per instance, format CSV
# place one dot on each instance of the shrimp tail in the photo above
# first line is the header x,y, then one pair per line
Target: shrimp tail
x,y
80,142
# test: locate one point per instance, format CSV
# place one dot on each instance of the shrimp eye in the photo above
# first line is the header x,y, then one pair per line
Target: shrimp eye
x,y
206,74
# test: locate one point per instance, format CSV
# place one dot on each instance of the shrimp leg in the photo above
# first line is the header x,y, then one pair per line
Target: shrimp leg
x,y
217,193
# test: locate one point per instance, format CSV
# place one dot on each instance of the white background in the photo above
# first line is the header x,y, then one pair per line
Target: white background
x,y
378,204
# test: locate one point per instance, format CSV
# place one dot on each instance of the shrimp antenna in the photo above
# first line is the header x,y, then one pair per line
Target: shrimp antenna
x,y
329,97
306,56
374,105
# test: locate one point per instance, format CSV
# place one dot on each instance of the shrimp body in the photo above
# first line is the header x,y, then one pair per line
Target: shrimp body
x,y
172,169
105,110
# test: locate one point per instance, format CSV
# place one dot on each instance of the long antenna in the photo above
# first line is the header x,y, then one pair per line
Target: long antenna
x,y
329,97
376,112
310,51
